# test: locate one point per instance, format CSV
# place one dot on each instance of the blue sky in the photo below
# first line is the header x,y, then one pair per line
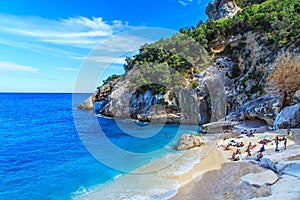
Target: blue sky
x,y
44,44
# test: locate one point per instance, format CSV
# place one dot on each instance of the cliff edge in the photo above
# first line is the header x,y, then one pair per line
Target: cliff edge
x,y
243,63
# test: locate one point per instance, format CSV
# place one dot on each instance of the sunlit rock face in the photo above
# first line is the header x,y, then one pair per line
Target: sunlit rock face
x,y
221,8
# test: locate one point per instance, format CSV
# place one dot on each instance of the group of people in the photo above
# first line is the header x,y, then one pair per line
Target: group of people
x,y
249,133
278,139
235,155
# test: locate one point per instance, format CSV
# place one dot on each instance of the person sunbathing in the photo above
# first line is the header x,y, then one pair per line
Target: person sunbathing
x,y
238,151
250,134
234,157
264,141
227,148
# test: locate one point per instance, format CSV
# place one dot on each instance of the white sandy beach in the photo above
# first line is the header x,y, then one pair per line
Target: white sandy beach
x,y
221,178
206,173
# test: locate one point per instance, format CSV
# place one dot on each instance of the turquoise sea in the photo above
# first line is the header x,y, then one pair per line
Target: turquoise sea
x,y
44,154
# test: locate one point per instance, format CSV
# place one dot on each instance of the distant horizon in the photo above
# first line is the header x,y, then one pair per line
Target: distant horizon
x,y
44,45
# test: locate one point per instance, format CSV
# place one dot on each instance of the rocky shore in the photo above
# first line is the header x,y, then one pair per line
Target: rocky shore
x,y
275,176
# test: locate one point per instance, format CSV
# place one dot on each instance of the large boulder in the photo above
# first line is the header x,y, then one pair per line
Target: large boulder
x,y
265,107
291,168
188,141
267,177
288,117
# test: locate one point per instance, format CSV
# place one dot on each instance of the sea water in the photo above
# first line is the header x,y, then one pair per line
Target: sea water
x,y
44,154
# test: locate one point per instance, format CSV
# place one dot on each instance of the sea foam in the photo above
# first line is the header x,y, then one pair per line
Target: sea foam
x,y
144,183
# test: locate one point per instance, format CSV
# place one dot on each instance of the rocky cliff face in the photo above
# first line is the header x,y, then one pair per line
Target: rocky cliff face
x,y
248,79
221,8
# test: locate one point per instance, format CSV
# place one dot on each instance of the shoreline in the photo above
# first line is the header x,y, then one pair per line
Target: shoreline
x,y
159,179
196,172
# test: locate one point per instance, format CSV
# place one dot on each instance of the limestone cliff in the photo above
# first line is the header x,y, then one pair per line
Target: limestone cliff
x,y
222,8
254,72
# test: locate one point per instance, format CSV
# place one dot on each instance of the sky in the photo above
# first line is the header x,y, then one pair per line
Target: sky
x,y
67,46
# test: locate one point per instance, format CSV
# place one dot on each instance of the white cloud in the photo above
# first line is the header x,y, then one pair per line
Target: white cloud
x,y
124,43
66,69
187,2
182,3
7,66
80,32
106,59
39,48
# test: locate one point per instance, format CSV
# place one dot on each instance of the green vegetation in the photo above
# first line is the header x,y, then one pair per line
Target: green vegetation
x,y
279,20
111,78
167,62
243,3
153,88
171,63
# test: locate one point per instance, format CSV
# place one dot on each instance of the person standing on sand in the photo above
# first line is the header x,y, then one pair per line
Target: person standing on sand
x,y
276,143
284,142
262,148
248,150
289,132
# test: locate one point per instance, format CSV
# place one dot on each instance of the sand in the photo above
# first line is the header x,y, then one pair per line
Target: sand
x,y
214,175
217,177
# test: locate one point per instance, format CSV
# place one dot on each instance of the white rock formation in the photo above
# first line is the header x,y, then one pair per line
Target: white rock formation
x,y
267,177
188,141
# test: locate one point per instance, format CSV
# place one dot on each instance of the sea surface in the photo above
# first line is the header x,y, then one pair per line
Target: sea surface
x,y
51,150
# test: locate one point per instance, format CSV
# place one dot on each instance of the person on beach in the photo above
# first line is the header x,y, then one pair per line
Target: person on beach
x,y
248,153
284,142
238,151
276,143
248,150
249,146
289,132
259,156
227,148
262,148
249,133
234,157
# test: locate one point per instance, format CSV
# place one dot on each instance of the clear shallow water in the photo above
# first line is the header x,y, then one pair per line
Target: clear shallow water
x,y
42,155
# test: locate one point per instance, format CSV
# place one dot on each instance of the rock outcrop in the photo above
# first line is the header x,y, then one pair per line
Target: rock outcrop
x,y
265,107
87,104
221,8
289,117
267,177
102,94
249,78
188,141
